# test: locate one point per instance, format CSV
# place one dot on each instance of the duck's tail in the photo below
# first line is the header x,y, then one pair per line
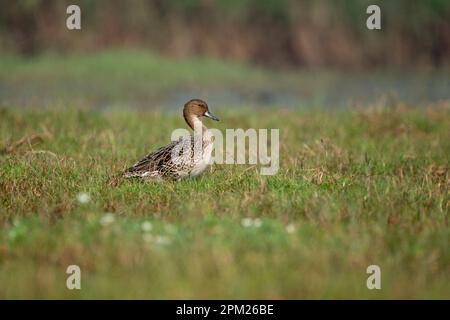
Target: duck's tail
x,y
146,175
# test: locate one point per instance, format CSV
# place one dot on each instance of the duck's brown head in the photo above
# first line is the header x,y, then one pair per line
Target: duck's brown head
x,y
197,108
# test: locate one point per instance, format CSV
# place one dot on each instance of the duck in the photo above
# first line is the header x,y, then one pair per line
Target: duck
x,y
188,156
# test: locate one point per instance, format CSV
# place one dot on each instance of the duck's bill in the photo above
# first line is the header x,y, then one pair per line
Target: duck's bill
x,y
211,116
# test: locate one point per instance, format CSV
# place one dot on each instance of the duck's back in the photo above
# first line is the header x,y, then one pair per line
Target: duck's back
x,y
176,160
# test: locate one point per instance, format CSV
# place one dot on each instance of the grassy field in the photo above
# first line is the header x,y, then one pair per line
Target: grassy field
x,y
355,188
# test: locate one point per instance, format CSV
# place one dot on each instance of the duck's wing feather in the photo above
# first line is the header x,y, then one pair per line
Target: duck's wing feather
x,y
165,160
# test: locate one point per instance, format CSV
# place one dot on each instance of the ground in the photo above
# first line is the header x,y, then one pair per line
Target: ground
x,y
356,187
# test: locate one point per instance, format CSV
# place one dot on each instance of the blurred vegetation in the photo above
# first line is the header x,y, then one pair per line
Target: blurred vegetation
x,y
137,79
275,32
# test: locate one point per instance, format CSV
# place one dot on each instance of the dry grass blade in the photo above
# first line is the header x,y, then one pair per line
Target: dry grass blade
x,y
30,140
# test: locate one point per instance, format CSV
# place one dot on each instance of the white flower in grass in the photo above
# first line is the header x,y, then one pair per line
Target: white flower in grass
x,y
290,228
83,197
107,219
162,240
146,226
247,222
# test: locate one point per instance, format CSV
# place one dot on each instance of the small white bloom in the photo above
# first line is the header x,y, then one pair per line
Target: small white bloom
x,y
83,197
146,226
162,240
247,222
290,228
107,219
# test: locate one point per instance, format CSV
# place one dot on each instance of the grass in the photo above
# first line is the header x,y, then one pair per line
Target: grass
x,y
355,188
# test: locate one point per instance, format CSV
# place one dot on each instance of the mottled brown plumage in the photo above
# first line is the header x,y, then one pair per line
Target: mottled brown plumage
x,y
189,156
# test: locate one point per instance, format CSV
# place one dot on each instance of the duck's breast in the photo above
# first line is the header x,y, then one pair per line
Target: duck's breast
x,y
201,164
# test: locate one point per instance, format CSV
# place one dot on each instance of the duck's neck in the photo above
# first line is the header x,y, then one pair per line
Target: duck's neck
x,y
197,125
